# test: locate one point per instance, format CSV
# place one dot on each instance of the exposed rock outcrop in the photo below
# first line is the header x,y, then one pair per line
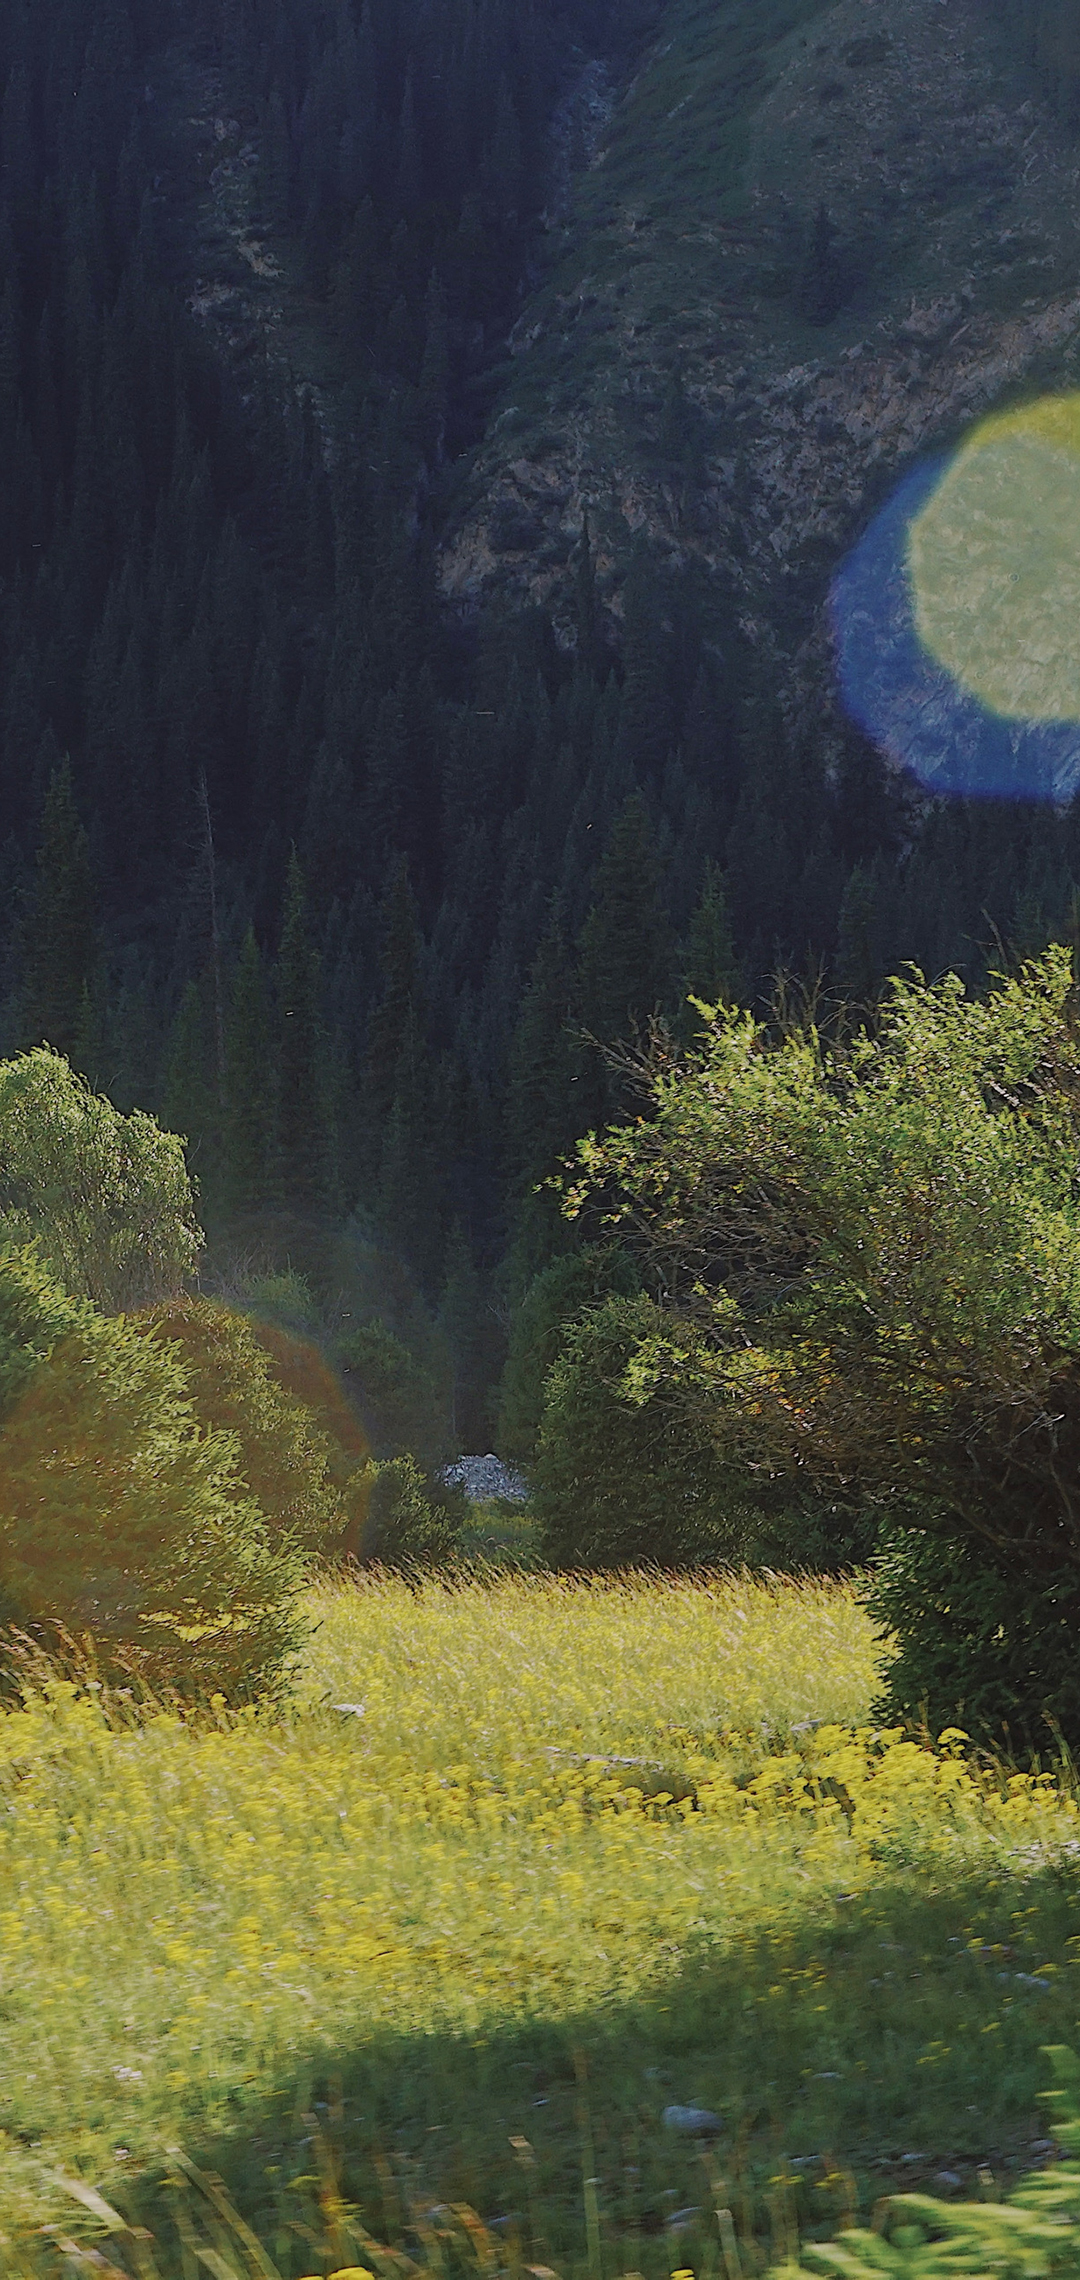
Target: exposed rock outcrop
x,y
898,163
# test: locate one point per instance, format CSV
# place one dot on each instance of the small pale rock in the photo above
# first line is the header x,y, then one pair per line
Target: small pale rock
x,y
949,2180
692,2121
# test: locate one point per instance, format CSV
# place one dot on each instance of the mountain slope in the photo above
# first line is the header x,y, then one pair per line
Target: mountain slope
x,y
817,242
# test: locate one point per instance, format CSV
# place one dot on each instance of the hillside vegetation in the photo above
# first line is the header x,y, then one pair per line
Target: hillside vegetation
x,y
819,239
412,507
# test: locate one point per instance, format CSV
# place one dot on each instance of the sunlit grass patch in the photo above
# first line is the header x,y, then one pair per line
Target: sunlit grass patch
x,y
488,1666
517,1836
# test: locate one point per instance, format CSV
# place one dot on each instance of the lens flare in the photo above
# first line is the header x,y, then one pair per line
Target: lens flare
x,y
957,616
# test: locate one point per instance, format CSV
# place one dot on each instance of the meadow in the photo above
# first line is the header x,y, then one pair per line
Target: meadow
x,y
525,1863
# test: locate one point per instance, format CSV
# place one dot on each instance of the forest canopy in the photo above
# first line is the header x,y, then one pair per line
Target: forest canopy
x,y
350,888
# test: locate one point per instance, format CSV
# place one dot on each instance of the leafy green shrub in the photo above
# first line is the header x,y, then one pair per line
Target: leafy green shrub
x,y
562,1291
34,1315
617,1482
871,1261
398,1398
300,1367
106,1197
285,1456
285,1297
412,1521
119,1515
979,1645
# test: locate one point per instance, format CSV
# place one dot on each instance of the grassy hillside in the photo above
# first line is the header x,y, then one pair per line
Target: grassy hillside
x,y
560,1857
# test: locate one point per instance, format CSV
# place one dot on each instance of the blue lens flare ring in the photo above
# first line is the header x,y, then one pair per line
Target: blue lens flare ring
x,y
956,617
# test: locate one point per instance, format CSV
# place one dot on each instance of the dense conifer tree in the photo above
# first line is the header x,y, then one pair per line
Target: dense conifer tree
x,y
60,941
305,1153
213,575
250,1170
544,1105
626,951
710,972
400,997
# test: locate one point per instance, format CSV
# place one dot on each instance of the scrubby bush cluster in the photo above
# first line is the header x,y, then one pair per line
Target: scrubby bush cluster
x,y
106,1197
861,1271
168,1474
288,1458
123,1515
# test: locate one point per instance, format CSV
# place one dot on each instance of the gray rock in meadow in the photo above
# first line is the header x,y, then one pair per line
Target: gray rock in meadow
x,y
692,2121
486,1477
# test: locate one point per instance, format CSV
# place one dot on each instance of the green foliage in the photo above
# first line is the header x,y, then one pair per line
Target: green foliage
x,y
284,1297
285,1456
106,1197
397,1395
120,1516
551,1303
303,1371
60,939
34,1315
626,966
977,1642
304,1137
871,1267
412,1521
619,1482
1033,2234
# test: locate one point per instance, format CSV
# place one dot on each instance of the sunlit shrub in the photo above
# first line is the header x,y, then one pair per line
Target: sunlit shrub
x,y
286,1458
120,1515
869,1255
107,1197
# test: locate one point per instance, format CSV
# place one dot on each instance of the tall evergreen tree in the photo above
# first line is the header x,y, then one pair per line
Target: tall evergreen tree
x,y
188,1103
399,959
626,950
305,1155
249,1142
545,1104
460,1318
858,945
60,937
710,971
410,1161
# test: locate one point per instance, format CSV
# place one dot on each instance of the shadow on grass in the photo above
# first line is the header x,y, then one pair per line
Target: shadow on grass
x,y
872,2044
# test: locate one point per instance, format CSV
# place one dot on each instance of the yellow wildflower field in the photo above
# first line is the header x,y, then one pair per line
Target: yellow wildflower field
x,y
527,1865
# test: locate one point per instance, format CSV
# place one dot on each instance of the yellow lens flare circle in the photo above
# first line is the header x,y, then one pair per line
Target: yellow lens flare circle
x,y
994,562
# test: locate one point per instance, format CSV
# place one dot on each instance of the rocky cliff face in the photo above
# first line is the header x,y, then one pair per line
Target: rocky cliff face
x,y
734,358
